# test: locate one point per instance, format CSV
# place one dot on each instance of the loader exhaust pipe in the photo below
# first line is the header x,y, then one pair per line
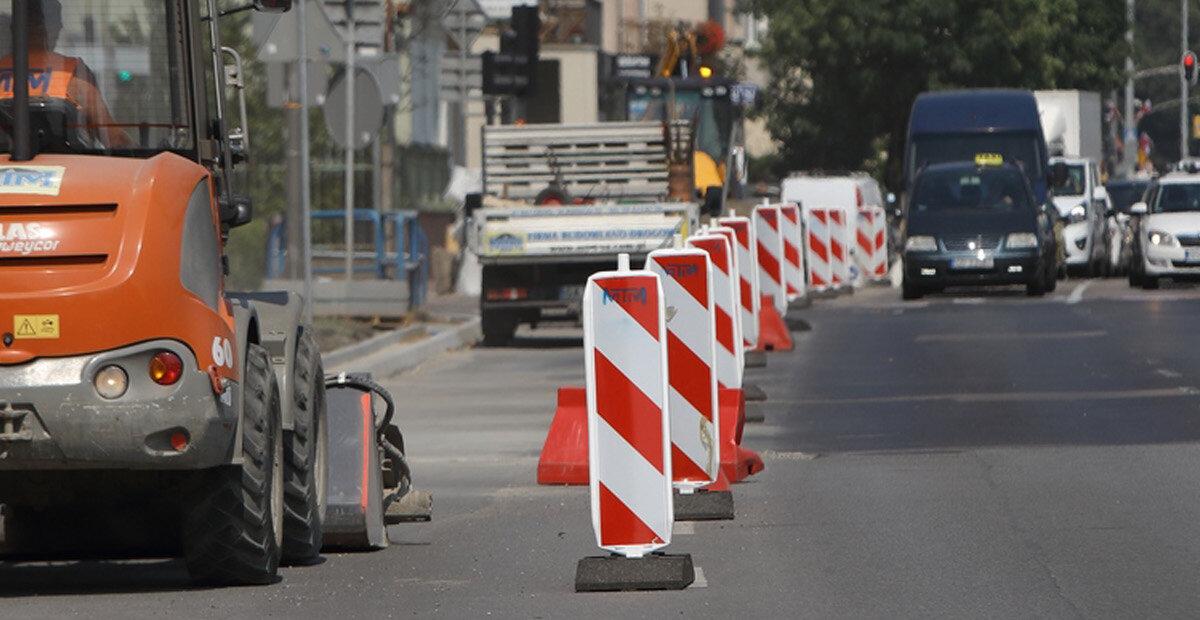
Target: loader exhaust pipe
x,y
22,143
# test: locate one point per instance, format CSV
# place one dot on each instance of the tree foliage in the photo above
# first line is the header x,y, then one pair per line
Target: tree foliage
x,y
844,73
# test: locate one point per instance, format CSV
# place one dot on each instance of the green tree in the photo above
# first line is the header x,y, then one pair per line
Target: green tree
x,y
844,73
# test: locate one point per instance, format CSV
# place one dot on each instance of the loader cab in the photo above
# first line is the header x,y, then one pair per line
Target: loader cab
x,y
126,78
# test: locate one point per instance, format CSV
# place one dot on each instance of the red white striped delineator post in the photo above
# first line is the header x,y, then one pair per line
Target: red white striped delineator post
x,y
768,232
729,352
793,243
747,264
686,276
871,240
839,249
735,284
820,271
629,446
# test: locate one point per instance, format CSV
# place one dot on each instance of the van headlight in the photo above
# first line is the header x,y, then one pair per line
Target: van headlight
x,y
921,243
1078,214
1165,239
1021,241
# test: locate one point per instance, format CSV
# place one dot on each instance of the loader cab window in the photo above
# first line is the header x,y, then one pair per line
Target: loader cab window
x,y
105,77
709,107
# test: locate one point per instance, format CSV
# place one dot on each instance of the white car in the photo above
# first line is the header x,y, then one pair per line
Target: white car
x,y
1167,244
1083,205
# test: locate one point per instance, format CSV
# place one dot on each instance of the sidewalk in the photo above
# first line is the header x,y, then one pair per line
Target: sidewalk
x,y
448,322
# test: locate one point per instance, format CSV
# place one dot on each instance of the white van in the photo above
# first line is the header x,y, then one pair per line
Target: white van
x,y
852,190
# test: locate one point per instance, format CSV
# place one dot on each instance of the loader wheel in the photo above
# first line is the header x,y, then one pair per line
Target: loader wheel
x,y
306,450
233,532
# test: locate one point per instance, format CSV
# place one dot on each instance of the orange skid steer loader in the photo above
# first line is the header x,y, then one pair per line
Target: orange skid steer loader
x,y
143,407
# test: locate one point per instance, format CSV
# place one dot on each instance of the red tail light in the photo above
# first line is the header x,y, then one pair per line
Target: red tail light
x,y
166,368
507,294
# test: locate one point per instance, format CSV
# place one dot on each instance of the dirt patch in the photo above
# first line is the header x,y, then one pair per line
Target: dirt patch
x,y
336,332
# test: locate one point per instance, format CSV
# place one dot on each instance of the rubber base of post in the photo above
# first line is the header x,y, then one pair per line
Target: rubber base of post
x,y
753,392
704,506
756,359
620,574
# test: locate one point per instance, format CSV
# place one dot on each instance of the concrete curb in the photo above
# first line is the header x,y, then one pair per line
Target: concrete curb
x,y
390,357
370,346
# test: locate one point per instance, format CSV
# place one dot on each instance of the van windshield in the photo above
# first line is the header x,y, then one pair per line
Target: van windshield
x,y
1016,148
996,190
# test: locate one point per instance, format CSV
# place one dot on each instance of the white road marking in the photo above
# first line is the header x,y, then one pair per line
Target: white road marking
x,y
1076,295
967,337
1170,374
998,397
700,581
684,528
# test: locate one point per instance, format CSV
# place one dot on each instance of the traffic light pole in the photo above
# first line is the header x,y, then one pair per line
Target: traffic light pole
x,y
1131,133
1183,83
350,82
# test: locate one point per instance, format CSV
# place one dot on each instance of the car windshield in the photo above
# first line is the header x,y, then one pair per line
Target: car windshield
x,y
1173,198
105,77
1017,148
1073,184
1123,195
999,190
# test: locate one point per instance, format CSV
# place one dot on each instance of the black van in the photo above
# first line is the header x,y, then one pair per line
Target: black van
x,y
976,223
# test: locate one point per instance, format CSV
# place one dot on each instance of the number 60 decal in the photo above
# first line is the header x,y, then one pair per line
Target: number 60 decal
x,y
222,352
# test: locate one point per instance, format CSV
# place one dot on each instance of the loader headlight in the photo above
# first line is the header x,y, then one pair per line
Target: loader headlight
x,y
111,382
921,243
1078,214
1165,239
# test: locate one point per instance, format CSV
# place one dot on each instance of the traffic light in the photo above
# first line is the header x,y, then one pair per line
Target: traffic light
x,y
511,71
1189,67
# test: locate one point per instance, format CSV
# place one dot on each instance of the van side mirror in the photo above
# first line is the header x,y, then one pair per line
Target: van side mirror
x,y
273,6
1139,208
1100,194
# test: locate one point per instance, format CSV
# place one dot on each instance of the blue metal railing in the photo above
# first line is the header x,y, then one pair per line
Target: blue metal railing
x,y
398,250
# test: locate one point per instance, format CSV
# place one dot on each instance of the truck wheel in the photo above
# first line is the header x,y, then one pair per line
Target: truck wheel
x,y
233,531
306,450
498,329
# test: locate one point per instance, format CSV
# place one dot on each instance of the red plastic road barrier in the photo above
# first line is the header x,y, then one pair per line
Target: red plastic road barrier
x,y
686,276
737,463
564,458
769,247
774,334
629,452
793,257
747,264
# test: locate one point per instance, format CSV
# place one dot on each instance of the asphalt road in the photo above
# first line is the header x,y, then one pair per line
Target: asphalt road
x,y
966,455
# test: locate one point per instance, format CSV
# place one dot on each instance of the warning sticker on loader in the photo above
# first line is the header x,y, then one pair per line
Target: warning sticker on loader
x,y
35,326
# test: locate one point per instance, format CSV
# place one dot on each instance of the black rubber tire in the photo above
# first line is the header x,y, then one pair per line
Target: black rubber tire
x,y
306,453
910,291
1149,283
498,329
1035,287
229,530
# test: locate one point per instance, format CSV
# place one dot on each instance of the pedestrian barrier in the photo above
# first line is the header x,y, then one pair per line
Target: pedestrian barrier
x,y
839,248
736,462
792,231
820,270
769,247
745,244
686,280
728,351
773,332
625,345
871,239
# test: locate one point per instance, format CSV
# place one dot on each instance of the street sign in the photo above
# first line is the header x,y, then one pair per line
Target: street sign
x,y
274,35
633,66
370,22
368,109
463,23
460,74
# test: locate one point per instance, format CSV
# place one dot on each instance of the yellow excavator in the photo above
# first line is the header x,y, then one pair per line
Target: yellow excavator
x,y
684,88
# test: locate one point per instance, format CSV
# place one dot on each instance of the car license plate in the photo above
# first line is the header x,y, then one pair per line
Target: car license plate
x,y
571,293
972,262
